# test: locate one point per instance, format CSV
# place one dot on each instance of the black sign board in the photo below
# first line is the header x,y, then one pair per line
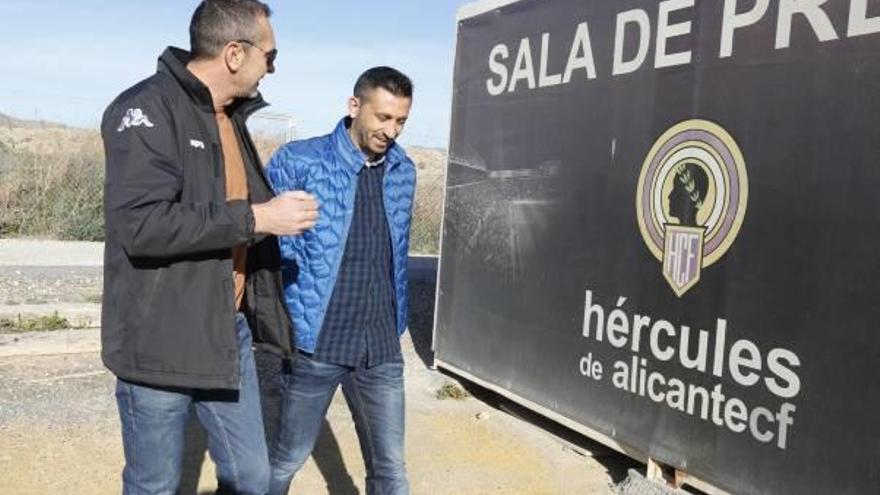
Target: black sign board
x,y
662,222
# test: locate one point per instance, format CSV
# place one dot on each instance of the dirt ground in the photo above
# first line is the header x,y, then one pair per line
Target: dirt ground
x,y
59,430
59,434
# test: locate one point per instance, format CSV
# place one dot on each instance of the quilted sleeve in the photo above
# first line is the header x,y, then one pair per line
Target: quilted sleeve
x,y
281,169
283,175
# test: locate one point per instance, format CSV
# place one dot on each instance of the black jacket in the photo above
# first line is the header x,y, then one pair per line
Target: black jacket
x,y
168,313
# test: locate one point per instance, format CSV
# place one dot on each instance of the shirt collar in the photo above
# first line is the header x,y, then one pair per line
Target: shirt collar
x,y
380,161
352,156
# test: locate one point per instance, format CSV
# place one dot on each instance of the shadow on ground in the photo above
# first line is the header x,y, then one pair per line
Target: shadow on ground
x,y
422,301
616,464
421,317
327,454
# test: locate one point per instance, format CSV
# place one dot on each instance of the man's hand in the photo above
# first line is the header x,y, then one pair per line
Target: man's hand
x,y
289,213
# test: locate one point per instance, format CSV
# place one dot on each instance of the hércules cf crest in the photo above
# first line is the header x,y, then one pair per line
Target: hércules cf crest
x,y
691,199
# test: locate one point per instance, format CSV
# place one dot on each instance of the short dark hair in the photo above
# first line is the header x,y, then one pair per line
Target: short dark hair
x,y
217,22
387,78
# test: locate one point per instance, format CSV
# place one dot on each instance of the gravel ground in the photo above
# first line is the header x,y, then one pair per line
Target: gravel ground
x,y
59,429
54,391
50,284
59,433
34,271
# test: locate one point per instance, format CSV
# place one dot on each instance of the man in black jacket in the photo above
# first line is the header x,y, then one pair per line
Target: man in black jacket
x,y
191,268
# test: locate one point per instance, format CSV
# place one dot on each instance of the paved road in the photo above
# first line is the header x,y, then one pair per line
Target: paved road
x,y
40,252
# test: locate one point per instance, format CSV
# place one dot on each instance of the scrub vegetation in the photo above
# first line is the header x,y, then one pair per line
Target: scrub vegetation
x,y
52,179
451,390
36,324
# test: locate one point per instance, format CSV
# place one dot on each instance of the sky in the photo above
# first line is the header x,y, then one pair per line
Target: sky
x,y
65,61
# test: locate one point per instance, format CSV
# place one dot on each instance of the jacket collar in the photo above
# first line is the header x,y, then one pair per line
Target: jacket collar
x,y
173,62
353,156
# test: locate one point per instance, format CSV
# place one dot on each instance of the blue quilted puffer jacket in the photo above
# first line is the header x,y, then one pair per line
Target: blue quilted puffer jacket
x,y
327,168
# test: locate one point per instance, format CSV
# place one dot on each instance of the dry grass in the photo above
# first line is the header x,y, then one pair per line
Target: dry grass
x,y
451,390
52,178
428,209
51,183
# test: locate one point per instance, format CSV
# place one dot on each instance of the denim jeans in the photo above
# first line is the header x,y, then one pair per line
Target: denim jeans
x,y
154,420
375,397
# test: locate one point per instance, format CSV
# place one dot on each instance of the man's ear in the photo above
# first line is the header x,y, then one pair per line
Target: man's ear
x,y
354,106
233,56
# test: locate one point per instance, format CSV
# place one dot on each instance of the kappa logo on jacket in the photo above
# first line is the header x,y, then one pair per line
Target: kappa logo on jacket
x,y
134,117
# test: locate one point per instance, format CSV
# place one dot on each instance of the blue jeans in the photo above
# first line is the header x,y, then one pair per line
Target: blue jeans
x,y
376,399
154,420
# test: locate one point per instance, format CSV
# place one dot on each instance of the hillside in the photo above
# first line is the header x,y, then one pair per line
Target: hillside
x,y
40,137
10,121
7,121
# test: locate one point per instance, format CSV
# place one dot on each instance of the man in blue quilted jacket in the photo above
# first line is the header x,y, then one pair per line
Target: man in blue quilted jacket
x,y
345,282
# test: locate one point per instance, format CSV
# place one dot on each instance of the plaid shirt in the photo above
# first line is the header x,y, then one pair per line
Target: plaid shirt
x,y
359,327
